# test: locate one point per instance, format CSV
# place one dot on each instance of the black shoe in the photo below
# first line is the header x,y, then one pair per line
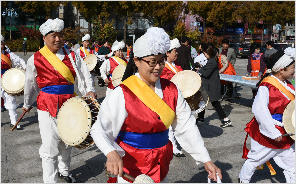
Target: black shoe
x,y
225,123
68,179
179,155
11,125
3,109
200,121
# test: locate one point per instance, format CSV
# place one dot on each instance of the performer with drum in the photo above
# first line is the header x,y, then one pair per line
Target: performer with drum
x,y
9,59
50,77
266,129
170,69
110,64
140,110
211,83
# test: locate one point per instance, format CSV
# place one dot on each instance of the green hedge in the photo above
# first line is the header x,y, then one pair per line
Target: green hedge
x,y
17,45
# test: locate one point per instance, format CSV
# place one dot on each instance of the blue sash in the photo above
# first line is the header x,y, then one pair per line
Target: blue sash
x,y
145,140
278,117
59,89
3,71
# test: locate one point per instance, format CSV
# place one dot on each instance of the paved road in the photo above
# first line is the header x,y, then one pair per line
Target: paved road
x,y
20,162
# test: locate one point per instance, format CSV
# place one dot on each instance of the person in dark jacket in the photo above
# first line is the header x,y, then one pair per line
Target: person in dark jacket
x,y
104,50
211,83
184,54
25,46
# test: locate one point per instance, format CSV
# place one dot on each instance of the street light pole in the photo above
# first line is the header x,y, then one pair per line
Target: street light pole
x,y
9,12
10,27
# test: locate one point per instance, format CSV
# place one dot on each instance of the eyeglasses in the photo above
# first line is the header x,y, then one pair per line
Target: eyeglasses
x,y
154,63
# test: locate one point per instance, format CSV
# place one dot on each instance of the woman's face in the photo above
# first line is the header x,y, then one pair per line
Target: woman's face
x,y
289,72
257,51
172,56
148,72
206,55
118,53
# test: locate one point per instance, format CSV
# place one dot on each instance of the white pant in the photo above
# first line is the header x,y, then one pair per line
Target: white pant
x,y
108,91
258,155
174,141
121,180
10,105
54,152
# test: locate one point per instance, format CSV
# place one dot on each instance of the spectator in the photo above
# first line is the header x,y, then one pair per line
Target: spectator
x,y
75,45
193,53
184,54
231,57
66,45
104,50
270,49
129,49
25,46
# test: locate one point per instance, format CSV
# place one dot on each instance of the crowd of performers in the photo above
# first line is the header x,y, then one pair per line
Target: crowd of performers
x,y
140,120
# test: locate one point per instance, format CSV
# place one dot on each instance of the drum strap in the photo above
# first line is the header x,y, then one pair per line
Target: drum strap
x,y
150,99
3,71
85,51
6,59
119,60
279,86
57,64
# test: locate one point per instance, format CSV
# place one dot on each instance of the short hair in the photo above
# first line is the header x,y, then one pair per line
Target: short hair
x,y
271,43
104,41
210,50
184,39
225,40
254,46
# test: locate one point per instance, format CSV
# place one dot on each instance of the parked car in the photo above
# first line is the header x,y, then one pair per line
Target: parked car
x,y
278,46
235,46
244,50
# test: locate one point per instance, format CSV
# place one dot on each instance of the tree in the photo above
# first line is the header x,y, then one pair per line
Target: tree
x,y
29,33
38,8
92,9
106,31
70,33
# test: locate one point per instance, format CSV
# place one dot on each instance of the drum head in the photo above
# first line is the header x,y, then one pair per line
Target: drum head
x,y
188,82
74,121
13,80
91,61
289,118
117,75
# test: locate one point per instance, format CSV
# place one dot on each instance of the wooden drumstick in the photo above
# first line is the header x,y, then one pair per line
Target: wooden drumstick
x,y
20,118
128,176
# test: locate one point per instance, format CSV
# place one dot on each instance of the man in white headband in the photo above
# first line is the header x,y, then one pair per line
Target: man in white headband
x,y
108,66
266,129
140,110
50,77
85,50
8,60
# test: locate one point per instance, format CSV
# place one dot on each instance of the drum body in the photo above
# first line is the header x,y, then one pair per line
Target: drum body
x,y
289,119
117,75
189,83
75,119
13,81
91,61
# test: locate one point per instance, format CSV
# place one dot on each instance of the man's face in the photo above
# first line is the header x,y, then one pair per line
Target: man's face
x,y
225,46
106,44
85,43
268,46
54,41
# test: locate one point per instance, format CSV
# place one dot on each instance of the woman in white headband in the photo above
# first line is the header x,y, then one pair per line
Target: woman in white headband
x,y
108,66
138,114
275,92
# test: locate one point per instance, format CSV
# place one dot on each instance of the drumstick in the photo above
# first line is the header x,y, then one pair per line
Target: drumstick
x,y
290,134
20,119
128,176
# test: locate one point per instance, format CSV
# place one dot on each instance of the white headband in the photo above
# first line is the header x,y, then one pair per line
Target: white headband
x,y
116,46
2,38
174,44
56,25
86,37
155,41
285,60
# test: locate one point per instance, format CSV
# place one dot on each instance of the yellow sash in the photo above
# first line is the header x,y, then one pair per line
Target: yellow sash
x,y
85,51
167,65
6,59
277,84
57,64
121,61
150,99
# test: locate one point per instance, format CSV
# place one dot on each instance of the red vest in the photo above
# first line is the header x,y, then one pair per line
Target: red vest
x,y
4,65
48,76
229,70
277,104
113,65
168,74
83,56
255,65
152,162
